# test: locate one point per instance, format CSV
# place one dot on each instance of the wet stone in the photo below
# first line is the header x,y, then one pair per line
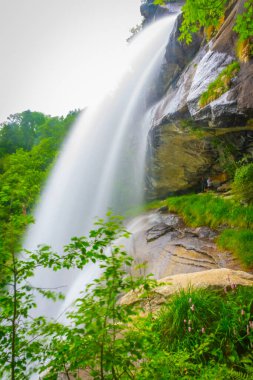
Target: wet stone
x,y
157,231
163,209
205,233
171,220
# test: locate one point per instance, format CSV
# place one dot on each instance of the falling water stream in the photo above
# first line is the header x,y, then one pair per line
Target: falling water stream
x,y
101,164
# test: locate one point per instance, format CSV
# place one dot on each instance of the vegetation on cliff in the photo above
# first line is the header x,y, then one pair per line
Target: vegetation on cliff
x,y
244,27
243,183
203,13
220,85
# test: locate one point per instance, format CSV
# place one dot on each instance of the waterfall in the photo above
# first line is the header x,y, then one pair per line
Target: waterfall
x,y
101,164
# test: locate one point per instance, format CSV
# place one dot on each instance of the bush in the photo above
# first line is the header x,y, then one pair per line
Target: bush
x,y
243,183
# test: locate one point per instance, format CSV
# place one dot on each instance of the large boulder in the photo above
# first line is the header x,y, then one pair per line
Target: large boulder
x,y
223,278
167,247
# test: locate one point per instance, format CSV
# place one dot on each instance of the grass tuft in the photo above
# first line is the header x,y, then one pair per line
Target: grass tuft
x,y
212,325
220,85
211,210
240,242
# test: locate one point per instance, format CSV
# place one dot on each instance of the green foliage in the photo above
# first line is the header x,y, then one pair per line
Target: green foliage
x,y
211,210
26,129
244,22
97,318
198,14
20,185
20,131
220,85
240,242
97,338
243,183
18,343
199,334
193,333
203,13
210,326
29,144
180,323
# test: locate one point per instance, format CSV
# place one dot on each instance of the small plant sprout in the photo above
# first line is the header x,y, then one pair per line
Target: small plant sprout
x,y
192,307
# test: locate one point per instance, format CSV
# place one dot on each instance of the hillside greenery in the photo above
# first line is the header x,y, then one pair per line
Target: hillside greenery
x,y
29,144
220,85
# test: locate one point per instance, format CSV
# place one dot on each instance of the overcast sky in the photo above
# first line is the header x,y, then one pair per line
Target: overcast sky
x,y
58,55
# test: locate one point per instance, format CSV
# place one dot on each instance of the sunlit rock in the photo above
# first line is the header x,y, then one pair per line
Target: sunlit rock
x,y
214,278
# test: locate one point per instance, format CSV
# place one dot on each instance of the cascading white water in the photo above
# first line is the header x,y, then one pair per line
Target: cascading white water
x,y
101,165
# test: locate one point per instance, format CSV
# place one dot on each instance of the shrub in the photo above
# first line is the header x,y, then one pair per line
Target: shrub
x,y
243,183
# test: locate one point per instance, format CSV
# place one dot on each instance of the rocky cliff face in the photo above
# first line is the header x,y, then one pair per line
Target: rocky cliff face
x,y
183,137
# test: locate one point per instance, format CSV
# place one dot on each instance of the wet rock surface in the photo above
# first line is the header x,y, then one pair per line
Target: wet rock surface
x,y
189,69
157,231
181,156
152,12
167,247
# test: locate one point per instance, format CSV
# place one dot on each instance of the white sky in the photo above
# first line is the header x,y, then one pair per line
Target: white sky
x,y
58,55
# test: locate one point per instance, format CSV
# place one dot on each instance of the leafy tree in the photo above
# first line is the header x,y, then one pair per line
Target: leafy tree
x,y
96,337
25,171
205,13
18,342
26,129
19,131
20,185
198,14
